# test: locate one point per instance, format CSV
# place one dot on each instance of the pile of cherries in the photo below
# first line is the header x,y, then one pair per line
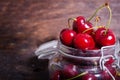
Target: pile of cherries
x,y
82,35
86,37
71,72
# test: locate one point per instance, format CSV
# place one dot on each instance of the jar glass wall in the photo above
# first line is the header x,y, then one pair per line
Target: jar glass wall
x,y
73,64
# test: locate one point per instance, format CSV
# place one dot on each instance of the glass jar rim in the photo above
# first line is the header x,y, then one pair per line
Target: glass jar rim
x,y
83,57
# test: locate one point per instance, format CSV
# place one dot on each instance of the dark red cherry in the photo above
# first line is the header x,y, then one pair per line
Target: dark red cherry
x,y
112,70
89,76
80,25
109,61
70,71
84,42
67,36
106,75
56,75
105,37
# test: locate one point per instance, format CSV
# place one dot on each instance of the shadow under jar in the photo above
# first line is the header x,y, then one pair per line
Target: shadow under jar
x,y
66,63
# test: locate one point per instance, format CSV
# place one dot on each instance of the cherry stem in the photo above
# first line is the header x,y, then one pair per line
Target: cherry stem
x,y
78,76
110,18
96,12
97,19
73,19
87,30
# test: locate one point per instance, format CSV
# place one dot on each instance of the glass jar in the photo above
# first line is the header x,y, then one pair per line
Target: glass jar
x,y
66,63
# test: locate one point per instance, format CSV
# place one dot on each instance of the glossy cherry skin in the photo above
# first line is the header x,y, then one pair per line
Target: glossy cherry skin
x,y
109,61
80,20
84,42
88,25
89,76
112,70
106,75
67,36
80,25
105,38
70,71
56,75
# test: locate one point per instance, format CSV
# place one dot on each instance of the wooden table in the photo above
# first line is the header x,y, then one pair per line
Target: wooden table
x,y
25,24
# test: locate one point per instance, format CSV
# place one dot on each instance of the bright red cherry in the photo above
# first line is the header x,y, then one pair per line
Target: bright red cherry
x,y
84,42
87,26
80,25
70,71
89,76
80,20
67,36
104,37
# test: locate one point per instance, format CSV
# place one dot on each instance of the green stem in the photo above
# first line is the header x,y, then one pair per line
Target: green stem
x,y
110,18
96,12
97,19
96,24
74,19
87,30
77,76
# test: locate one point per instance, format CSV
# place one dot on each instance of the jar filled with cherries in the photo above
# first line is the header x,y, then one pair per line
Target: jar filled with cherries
x,y
83,52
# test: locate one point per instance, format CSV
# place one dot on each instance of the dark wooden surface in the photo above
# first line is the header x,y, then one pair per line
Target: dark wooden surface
x,y
25,24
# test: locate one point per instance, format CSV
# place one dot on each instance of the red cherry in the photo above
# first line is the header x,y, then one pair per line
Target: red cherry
x,y
66,36
106,75
98,33
56,75
80,25
109,61
80,20
84,42
87,26
89,76
70,71
113,71
104,37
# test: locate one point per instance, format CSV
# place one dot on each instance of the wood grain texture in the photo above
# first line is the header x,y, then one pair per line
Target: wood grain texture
x,y
25,24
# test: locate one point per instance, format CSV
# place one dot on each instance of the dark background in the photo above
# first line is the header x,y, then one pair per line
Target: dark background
x,y
25,24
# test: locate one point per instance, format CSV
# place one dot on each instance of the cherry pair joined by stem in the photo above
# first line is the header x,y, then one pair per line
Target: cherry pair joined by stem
x,y
82,37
